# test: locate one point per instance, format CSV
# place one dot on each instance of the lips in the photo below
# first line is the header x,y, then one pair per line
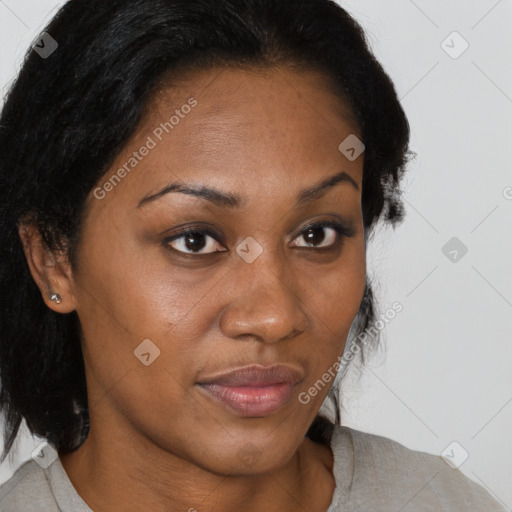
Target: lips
x,y
257,375
253,390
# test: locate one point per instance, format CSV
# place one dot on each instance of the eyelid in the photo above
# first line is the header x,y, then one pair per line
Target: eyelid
x,y
344,229
196,230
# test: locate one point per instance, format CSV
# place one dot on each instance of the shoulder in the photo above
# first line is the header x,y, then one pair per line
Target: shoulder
x,y
387,474
28,490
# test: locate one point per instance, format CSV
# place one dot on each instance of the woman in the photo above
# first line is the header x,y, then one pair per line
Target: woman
x,y
188,188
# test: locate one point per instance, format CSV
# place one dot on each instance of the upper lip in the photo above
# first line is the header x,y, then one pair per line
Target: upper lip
x,y
257,375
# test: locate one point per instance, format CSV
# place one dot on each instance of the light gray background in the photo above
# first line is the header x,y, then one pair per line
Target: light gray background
x,y
444,373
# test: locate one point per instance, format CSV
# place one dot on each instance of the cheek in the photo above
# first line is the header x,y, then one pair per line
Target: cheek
x,y
135,310
142,331
333,294
335,302
333,299
130,288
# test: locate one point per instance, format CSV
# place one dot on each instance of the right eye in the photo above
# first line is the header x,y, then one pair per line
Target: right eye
x,y
194,240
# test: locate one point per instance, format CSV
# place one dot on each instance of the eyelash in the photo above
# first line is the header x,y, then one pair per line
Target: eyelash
x,y
342,231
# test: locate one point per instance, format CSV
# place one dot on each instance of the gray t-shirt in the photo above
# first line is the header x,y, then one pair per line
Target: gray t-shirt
x,y
372,473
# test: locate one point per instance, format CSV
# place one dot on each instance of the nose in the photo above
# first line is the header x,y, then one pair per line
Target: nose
x,y
265,303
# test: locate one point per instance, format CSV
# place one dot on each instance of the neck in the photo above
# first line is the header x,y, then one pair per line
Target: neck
x,y
114,471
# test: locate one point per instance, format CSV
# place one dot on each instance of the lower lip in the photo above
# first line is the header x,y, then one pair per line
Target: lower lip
x,y
251,400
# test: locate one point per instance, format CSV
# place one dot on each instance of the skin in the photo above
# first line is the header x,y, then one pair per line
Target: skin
x,y
156,440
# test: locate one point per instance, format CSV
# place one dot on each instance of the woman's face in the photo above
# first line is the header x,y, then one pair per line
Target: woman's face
x,y
162,312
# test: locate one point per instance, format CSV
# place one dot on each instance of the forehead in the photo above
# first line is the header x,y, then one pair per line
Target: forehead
x,y
264,100
249,131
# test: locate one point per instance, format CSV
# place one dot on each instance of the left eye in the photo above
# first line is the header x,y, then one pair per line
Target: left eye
x,y
315,235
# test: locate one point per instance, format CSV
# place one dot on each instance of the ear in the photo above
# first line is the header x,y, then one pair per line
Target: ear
x,y
51,271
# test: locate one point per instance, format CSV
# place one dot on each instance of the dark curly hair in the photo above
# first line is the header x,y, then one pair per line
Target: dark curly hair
x,y
67,117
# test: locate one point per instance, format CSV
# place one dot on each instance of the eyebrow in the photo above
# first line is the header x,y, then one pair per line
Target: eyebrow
x,y
229,200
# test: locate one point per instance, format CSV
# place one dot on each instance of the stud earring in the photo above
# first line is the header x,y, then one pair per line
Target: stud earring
x,y
56,298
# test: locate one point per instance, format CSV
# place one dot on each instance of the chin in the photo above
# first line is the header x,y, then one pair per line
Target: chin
x,y
249,457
